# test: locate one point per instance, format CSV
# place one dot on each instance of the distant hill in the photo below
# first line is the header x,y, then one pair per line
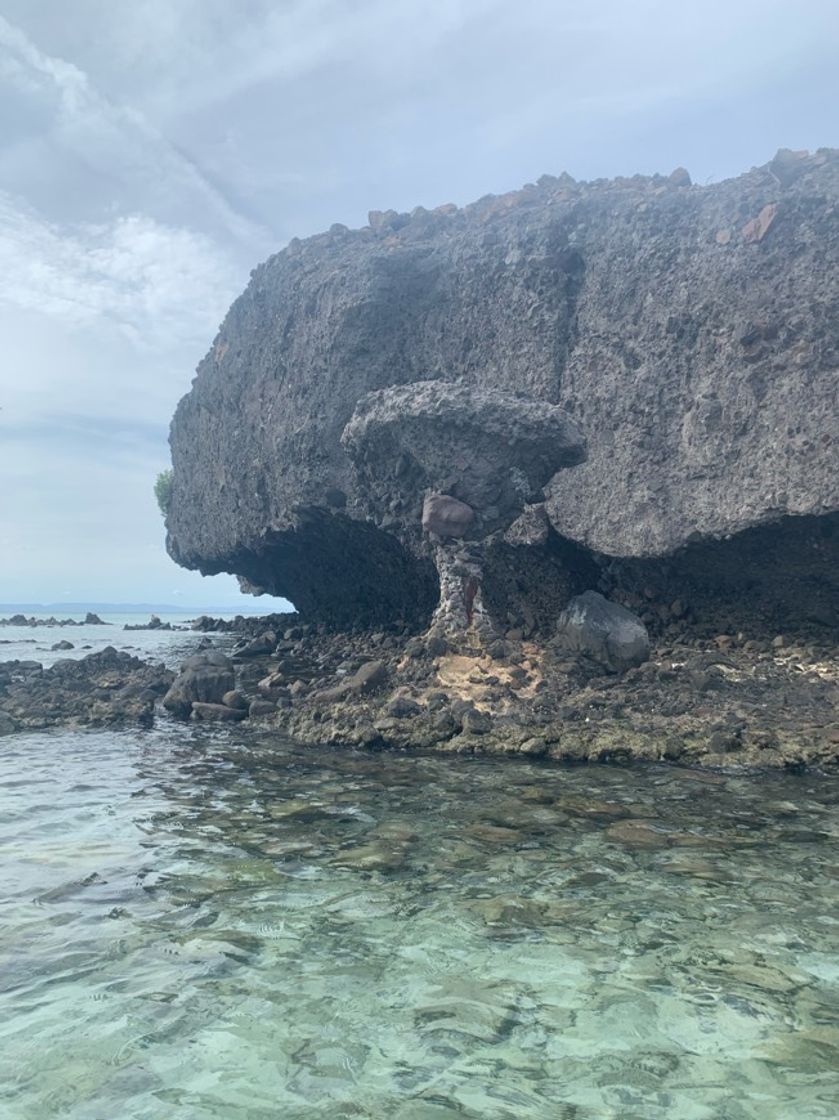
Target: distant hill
x,y
138,608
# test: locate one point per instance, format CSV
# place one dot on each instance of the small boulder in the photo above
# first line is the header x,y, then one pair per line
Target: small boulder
x,y
64,644
402,707
604,631
368,678
259,646
205,678
218,713
261,708
446,516
235,699
476,722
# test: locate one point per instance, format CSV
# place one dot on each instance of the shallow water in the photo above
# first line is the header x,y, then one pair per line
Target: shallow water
x,y
27,643
200,926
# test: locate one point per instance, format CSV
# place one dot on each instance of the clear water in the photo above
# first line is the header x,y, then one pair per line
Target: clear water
x,y
206,927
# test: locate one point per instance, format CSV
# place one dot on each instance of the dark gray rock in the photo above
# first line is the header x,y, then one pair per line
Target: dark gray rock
x,y
64,644
402,707
217,713
104,688
689,331
204,678
7,724
371,676
604,631
482,451
261,708
260,646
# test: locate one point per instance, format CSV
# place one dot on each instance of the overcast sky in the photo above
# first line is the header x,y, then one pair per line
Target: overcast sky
x,y
153,151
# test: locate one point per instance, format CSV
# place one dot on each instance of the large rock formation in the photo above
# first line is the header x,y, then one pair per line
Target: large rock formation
x,y
691,333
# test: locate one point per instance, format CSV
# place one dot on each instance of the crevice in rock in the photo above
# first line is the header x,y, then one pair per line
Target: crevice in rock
x,y
781,577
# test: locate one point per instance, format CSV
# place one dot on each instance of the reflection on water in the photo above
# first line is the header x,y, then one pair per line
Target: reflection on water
x,y
214,929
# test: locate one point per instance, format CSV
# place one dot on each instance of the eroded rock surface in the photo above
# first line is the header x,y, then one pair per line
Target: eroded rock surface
x,y
689,331
106,688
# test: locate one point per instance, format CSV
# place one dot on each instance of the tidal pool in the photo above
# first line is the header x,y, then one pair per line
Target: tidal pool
x,y
206,925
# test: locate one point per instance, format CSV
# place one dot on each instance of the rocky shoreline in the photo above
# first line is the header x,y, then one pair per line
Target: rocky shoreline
x,y
723,700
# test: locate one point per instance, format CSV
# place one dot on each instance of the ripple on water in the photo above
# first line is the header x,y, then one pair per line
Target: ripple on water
x,y
213,927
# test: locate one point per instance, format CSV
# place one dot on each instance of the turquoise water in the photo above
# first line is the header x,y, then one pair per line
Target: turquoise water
x,y
206,927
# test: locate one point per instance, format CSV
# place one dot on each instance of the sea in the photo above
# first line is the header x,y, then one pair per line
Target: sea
x,y
207,923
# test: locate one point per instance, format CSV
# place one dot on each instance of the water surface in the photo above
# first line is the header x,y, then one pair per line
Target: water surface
x,y
204,925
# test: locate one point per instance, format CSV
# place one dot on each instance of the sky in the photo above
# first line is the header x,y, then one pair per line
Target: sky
x,y
152,152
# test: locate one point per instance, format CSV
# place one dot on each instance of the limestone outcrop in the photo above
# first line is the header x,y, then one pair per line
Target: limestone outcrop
x,y
689,334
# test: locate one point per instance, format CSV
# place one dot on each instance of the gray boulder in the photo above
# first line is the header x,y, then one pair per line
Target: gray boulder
x,y
689,331
204,678
217,713
604,631
446,516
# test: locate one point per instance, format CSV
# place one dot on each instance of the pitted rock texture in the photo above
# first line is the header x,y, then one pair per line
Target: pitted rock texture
x,y
691,332
490,450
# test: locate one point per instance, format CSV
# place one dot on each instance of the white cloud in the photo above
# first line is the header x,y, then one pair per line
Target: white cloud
x,y
158,284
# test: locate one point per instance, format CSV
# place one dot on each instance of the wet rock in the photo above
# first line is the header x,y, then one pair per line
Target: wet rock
x,y
604,631
235,699
384,855
104,688
216,713
261,707
205,678
64,644
638,834
594,808
493,834
7,724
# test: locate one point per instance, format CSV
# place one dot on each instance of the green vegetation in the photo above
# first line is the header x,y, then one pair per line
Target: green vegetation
x,y
163,490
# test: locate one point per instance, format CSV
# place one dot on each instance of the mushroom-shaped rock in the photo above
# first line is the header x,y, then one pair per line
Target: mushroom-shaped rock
x,y
493,451
459,463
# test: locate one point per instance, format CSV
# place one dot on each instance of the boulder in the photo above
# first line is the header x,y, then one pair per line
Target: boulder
x,y
205,678
261,707
446,516
217,713
7,724
64,644
607,632
678,328
368,678
260,646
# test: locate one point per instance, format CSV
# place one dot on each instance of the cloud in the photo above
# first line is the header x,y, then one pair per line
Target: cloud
x,y
108,150
155,283
152,152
